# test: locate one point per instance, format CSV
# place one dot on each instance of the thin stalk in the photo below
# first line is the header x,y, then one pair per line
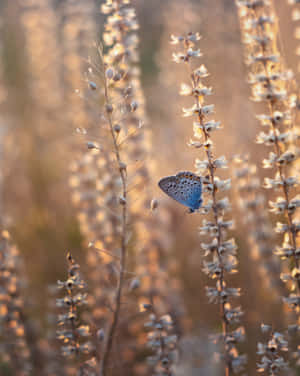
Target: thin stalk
x,y
211,168
278,152
117,301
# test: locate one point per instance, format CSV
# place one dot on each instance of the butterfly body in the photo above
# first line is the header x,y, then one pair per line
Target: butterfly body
x,y
185,188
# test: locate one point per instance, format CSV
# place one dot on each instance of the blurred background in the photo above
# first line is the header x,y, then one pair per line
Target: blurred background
x,y
44,45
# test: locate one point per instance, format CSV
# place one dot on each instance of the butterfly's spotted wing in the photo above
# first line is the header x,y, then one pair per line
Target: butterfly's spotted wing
x,y
185,188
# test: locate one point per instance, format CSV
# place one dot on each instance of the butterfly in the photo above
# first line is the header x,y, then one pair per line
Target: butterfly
x,y
185,187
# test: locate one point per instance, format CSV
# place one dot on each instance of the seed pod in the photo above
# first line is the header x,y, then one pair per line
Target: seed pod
x,y
109,73
117,128
122,200
109,108
134,106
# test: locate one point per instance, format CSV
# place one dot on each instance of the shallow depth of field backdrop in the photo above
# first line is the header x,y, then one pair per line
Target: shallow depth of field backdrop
x,y
57,197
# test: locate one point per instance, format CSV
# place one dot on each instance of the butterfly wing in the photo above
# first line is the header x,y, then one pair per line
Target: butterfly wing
x,y
185,187
191,185
170,186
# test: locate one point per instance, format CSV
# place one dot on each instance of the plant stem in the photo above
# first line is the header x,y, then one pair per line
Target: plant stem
x,y
211,169
278,152
117,301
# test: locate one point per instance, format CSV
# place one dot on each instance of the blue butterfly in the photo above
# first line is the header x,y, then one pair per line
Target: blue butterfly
x,y
185,188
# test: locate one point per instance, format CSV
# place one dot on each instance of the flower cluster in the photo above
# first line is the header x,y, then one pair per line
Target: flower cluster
x,y
272,361
15,351
121,59
119,104
94,181
123,77
220,250
106,182
149,229
260,235
270,82
162,341
55,363
71,332
100,177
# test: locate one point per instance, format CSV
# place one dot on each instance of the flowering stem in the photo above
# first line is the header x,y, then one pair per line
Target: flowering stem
x,y
211,169
288,215
271,84
117,301
278,152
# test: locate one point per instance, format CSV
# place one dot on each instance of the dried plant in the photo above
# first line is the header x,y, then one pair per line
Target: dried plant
x,y
270,84
118,105
94,182
137,264
55,363
71,331
112,326
15,350
162,341
96,185
120,35
222,251
272,353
